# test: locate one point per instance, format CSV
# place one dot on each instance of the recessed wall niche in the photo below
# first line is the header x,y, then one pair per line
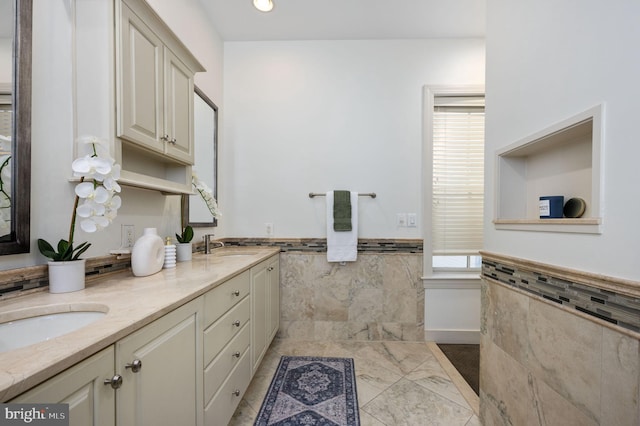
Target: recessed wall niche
x,y
562,159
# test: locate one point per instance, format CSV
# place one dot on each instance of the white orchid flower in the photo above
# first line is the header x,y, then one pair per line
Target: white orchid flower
x,y
94,223
92,167
90,191
110,180
207,195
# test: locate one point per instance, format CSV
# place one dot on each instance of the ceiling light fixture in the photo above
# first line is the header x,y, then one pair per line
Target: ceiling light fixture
x,y
263,5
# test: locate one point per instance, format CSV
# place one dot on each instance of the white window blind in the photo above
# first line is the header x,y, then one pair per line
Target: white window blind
x,y
458,175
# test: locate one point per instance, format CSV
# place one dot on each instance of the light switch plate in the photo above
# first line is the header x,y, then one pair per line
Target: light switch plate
x,y
412,220
401,220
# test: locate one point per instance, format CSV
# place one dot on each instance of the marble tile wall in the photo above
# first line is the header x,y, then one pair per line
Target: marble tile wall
x,y
378,297
543,363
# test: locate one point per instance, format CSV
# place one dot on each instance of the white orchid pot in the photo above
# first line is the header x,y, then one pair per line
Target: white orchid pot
x,y
65,277
183,252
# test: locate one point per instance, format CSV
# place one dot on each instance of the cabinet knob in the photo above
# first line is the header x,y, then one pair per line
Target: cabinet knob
x,y
165,138
173,141
236,323
236,293
236,354
115,382
135,366
270,268
236,392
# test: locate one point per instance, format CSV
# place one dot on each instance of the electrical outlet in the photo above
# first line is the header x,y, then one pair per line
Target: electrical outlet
x,y
128,235
268,229
412,220
401,219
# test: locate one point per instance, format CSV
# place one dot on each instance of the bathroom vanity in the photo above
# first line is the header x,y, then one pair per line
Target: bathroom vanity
x,y
177,347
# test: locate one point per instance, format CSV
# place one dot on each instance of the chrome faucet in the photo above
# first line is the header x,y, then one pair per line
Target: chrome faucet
x,y
207,243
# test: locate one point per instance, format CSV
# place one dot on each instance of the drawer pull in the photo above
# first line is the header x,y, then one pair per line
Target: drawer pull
x,y
236,323
135,366
236,354
236,293
236,392
115,382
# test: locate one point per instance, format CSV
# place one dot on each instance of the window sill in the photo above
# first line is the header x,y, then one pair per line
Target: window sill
x,y
469,280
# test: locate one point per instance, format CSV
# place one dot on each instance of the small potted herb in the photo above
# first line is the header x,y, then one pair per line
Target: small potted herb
x,y
183,246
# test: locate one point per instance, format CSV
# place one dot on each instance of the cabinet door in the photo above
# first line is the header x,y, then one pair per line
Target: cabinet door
x,y
141,94
167,390
178,90
91,402
259,303
274,298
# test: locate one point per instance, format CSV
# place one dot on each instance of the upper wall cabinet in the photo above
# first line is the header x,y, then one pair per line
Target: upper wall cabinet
x,y
564,159
154,100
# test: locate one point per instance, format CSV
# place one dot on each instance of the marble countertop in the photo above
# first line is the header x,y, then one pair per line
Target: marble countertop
x,y
131,303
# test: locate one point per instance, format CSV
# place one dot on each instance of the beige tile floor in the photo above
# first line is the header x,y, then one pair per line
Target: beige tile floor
x,y
399,383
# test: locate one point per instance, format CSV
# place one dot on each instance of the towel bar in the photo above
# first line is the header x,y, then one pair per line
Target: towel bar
x,y
364,194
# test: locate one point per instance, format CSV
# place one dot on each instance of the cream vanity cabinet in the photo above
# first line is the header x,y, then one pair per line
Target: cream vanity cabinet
x,y
226,341
191,366
157,377
154,100
91,402
161,368
265,307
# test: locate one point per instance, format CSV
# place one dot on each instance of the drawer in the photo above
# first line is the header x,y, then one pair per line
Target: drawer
x,y
221,366
221,408
222,331
226,295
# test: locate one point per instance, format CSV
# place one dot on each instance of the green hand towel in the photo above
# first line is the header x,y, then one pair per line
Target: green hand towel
x,y
341,211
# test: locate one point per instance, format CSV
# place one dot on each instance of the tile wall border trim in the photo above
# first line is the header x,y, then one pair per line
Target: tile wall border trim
x,y
30,279
606,300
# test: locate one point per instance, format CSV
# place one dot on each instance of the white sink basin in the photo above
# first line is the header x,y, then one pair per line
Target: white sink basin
x,y
33,326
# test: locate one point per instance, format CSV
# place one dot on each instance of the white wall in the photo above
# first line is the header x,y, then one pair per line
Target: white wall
x,y
547,61
313,116
54,126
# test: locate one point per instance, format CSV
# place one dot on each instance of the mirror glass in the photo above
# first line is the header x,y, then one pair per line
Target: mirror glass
x,y
205,120
7,14
15,125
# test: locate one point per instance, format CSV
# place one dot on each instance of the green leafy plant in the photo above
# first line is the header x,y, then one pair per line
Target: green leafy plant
x,y
186,236
65,251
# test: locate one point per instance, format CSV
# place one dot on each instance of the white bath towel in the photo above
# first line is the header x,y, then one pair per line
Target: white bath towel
x,y
342,246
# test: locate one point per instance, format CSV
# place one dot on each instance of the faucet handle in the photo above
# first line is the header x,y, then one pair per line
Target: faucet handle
x,y
207,242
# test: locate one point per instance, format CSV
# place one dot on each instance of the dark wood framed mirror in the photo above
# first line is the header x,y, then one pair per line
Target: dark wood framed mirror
x,y
205,119
17,34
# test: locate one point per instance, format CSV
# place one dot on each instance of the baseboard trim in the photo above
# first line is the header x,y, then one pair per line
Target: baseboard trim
x,y
453,336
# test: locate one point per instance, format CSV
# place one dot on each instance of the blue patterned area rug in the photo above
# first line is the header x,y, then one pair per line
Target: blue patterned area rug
x,y
311,391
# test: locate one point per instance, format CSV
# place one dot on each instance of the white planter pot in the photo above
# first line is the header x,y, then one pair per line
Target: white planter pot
x,y
183,252
65,277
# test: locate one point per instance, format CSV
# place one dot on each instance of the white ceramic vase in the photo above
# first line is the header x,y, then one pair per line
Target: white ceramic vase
x,y
65,277
183,252
147,254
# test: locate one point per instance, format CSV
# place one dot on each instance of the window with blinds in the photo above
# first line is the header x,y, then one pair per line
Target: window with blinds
x,y
458,181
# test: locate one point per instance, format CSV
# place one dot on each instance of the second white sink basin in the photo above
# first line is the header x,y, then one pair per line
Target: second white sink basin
x,y
34,328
